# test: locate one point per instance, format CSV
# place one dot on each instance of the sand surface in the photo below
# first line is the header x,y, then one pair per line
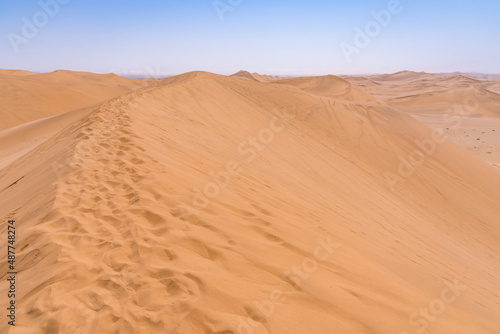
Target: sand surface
x,y
27,96
255,76
465,107
213,204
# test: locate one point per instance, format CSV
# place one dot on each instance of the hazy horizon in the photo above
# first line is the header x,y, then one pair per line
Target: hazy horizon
x,y
291,75
280,38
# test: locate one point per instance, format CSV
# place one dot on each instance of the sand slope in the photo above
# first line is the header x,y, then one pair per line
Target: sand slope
x,y
399,76
466,108
27,96
424,93
330,86
212,204
255,76
20,73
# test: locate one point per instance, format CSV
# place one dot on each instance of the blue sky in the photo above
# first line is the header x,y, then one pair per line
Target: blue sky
x,y
276,37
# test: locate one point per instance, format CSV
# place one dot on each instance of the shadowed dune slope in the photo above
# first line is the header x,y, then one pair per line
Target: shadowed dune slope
x,y
27,96
211,204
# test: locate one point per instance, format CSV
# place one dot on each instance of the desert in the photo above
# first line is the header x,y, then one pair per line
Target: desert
x,y
221,204
249,167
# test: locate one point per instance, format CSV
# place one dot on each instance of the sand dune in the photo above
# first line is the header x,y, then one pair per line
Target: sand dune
x,y
425,93
255,76
480,136
403,75
466,108
18,140
211,204
330,86
20,73
28,96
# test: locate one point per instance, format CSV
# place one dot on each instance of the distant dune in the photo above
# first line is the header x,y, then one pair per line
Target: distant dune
x,y
330,86
466,108
213,204
28,96
19,73
255,76
403,75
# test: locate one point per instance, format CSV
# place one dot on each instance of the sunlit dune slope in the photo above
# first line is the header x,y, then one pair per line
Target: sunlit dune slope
x,y
19,73
466,108
478,102
255,76
330,86
402,75
211,204
424,93
27,96
18,140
